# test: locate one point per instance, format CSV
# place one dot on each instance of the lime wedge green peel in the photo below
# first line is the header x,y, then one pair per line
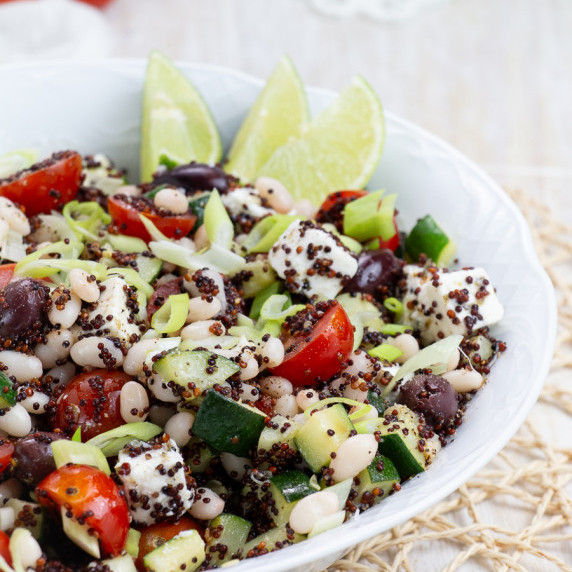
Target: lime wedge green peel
x,y
15,161
340,149
278,115
176,121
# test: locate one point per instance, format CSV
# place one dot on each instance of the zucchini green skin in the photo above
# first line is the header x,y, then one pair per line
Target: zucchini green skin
x,y
378,483
7,391
197,205
314,440
274,539
428,238
227,425
226,535
377,401
186,551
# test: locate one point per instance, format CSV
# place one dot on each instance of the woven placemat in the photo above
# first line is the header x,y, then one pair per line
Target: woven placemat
x,y
515,514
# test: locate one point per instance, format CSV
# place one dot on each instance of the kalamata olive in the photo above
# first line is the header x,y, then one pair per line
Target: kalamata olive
x,y
431,396
22,308
194,177
376,269
33,459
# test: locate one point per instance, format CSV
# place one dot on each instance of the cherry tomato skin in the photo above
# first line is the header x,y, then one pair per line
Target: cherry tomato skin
x,y
6,273
331,342
47,185
332,209
91,401
6,453
87,490
5,547
393,242
126,217
161,295
157,534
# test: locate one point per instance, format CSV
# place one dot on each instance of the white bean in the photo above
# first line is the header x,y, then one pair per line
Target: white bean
x,y
217,279
135,358
305,208
464,380
200,310
207,504
66,314
7,517
165,278
306,397
353,456
90,352
16,421
160,414
62,374
272,352
200,330
179,427
275,193
358,393
286,405
407,344
83,285
172,200
128,190
276,386
133,402
250,371
23,367
248,392
56,349
160,390
36,403
308,510
27,548
454,360
15,218
235,467
201,237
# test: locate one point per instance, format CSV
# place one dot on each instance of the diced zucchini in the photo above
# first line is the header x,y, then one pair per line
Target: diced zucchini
x,y
28,515
263,275
261,297
7,391
112,441
376,481
148,267
227,425
274,539
186,551
428,238
124,243
377,401
361,304
480,346
132,542
322,434
281,430
195,370
198,455
400,440
285,490
225,536
120,564
79,534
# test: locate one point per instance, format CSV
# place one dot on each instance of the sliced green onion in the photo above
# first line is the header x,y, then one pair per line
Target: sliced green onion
x,y
85,218
218,225
171,316
132,542
65,250
65,452
331,401
393,305
58,224
435,357
267,231
197,204
386,352
214,342
350,243
125,243
279,307
372,244
111,442
314,483
393,329
361,220
132,278
248,332
153,231
77,435
261,297
242,320
49,266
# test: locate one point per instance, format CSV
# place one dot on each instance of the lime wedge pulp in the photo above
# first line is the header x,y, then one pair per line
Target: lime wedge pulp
x,y
339,149
176,121
15,161
278,114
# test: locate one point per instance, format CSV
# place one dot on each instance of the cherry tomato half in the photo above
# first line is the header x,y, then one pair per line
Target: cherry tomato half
x,y
47,185
6,453
125,213
332,209
6,273
161,295
91,401
157,534
319,354
90,494
5,547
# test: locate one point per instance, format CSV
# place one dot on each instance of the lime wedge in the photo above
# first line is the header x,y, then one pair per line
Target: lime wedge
x,y
176,121
15,161
340,149
276,116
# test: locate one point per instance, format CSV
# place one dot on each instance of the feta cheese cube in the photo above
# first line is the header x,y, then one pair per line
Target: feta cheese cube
x,y
441,304
245,201
312,261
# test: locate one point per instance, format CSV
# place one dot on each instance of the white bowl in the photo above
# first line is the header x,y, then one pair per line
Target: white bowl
x,y
95,106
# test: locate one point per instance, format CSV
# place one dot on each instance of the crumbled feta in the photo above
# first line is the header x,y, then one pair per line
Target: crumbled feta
x,y
441,303
154,481
312,261
114,314
245,201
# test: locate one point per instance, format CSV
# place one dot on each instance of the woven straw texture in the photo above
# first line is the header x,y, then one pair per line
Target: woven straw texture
x,y
515,514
